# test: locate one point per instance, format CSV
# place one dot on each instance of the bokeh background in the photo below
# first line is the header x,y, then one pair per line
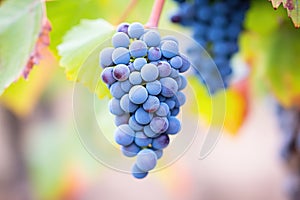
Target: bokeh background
x,y
42,157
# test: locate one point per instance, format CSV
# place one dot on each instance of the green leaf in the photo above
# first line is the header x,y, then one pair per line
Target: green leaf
x,y
20,25
80,53
282,70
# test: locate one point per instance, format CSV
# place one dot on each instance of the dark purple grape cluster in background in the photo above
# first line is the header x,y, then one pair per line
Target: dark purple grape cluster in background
x,y
216,26
289,120
143,72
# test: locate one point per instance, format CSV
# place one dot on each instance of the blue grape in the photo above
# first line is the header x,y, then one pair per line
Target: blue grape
x,y
204,13
161,141
138,173
180,98
121,72
126,85
164,69
149,132
116,90
124,135
141,139
146,160
151,104
183,82
130,150
143,117
176,62
120,39
123,27
163,110
107,75
114,107
106,57
127,105
175,111
149,72
159,124
138,49
158,152
169,87
169,49
152,38
135,30
154,87
185,64
121,56
138,94
154,53
171,103
135,78
139,63
174,126
134,124
174,73
122,119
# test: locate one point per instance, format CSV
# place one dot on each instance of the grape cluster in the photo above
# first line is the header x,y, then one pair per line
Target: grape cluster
x,y
289,120
142,71
216,27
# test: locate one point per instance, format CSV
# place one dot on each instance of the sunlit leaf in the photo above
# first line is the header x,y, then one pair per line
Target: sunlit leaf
x,y
80,53
236,106
20,25
22,95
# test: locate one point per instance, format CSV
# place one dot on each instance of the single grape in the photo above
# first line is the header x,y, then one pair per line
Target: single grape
x,y
161,141
159,124
164,69
138,94
175,111
114,107
154,87
130,150
138,173
146,160
124,135
176,62
121,72
169,87
138,49
123,27
116,90
134,124
174,126
135,78
106,57
107,76
149,132
163,110
151,104
152,38
127,105
169,49
139,63
149,72
135,30
126,85
120,39
183,82
121,56
143,117
154,53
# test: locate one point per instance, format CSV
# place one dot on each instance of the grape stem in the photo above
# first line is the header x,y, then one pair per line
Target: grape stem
x,y
155,14
127,11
